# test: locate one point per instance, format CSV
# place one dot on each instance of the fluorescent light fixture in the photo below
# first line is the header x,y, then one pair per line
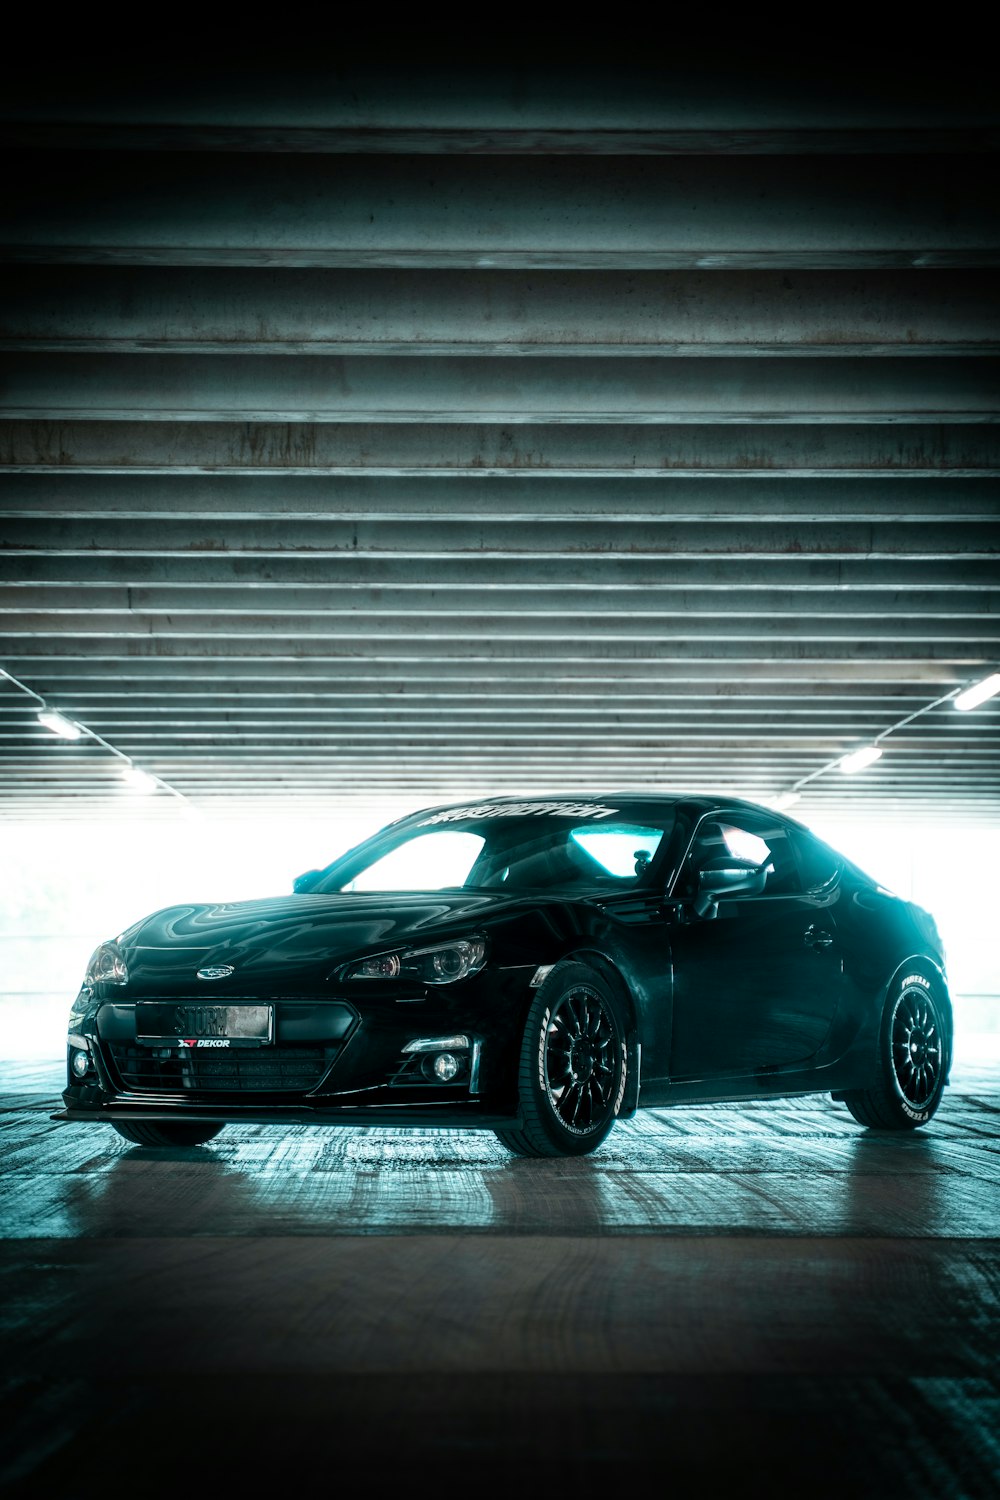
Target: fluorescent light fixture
x,y
784,800
859,759
139,781
58,724
978,693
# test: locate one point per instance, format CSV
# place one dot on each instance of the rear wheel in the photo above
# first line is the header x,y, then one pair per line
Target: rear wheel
x,y
914,1047
572,1069
168,1133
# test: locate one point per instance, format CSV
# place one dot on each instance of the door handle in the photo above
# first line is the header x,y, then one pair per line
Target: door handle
x,y
818,938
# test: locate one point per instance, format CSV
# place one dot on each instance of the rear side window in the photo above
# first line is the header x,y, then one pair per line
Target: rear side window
x,y
817,863
744,845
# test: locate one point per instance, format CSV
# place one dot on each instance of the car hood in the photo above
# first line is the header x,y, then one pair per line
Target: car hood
x,y
293,937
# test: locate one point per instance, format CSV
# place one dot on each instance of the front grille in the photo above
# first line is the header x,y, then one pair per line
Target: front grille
x,y
239,1070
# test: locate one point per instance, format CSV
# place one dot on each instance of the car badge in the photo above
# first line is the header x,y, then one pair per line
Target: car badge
x,y
221,971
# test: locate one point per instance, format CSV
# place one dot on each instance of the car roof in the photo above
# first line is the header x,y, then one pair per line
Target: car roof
x,y
697,801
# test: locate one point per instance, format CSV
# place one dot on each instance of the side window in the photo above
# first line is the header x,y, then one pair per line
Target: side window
x,y
620,849
817,863
757,839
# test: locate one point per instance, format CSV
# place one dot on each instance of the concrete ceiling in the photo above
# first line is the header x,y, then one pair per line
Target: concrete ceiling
x,y
387,436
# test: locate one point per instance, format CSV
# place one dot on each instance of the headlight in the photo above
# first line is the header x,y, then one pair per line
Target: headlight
x,y
443,964
107,966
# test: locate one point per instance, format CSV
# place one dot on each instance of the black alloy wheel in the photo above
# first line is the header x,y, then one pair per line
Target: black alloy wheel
x,y
572,1068
917,1048
167,1132
914,1054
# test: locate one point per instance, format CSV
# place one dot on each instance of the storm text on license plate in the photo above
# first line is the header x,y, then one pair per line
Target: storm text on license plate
x,y
166,1022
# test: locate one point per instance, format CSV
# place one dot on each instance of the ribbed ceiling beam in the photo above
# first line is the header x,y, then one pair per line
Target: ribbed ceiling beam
x,y
302,747
674,729
487,538
704,106
124,309
130,703
497,141
443,389
571,449
664,630
788,572
364,601
319,745
630,213
743,648
789,674
200,682
364,774
626,710
517,497
372,438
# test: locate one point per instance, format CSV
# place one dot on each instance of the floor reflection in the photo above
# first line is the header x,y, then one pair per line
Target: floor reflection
x,y
531,1196
902,1180
794,1167
261,1182
142,1192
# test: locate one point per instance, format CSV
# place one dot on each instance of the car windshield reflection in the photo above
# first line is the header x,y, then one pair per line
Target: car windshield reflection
x,y
519,854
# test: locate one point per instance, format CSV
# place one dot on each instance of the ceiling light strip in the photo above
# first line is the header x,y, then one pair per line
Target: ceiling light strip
x,y
142,781
866,755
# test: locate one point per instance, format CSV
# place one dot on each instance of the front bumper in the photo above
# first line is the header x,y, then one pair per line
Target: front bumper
x,y
333,1058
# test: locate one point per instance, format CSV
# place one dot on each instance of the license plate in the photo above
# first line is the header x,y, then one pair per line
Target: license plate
x,y
168,1023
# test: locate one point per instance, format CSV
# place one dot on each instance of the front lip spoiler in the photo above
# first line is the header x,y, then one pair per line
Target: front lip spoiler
x,y
453,1117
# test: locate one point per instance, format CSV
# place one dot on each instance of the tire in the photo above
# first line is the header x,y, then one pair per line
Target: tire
x,y
914,1054
573,1066
171,1133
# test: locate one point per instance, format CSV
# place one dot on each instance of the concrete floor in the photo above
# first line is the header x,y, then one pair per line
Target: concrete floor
x,y
763,1295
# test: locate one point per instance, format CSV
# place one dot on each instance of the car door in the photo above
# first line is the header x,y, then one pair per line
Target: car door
x,y
757,985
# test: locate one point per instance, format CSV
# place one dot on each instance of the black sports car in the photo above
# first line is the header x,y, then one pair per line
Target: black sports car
x,y
540,969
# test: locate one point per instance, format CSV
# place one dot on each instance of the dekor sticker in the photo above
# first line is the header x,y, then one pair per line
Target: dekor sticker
x,y
522,810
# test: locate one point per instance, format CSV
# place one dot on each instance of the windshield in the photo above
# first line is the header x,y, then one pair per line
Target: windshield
x,y
539,851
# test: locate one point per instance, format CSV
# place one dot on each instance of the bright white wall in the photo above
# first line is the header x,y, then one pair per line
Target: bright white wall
x,y
66,886
952,873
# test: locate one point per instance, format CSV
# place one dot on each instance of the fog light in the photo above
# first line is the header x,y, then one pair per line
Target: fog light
x,y
445,1067
80,1063
440,1060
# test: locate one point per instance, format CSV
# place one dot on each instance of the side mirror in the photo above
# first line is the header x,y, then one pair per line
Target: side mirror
x,y
303,884
705,906
727,876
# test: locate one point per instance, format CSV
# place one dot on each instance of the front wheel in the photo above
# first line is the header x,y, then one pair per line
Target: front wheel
x,y
166,1133
914,1049
572,1068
